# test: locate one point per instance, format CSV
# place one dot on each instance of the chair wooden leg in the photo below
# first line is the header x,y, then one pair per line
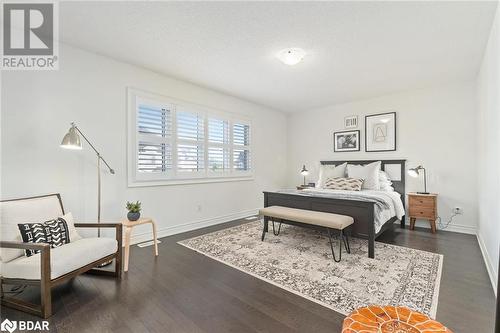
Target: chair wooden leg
x,y
155,241
45,285
127,247
119,252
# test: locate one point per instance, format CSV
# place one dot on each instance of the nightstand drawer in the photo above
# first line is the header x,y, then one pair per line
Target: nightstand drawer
x,y
422,212
421,201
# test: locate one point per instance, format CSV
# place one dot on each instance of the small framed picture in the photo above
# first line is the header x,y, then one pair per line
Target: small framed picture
x,y
380,132
346,141
351,122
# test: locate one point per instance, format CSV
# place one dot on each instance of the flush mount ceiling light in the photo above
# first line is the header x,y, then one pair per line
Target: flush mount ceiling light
x,y
291,56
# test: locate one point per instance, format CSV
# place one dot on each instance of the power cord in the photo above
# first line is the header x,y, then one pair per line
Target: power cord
x,y
445,225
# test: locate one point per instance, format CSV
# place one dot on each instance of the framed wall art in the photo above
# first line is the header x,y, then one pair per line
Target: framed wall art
x,y
346,141
351,122
380,132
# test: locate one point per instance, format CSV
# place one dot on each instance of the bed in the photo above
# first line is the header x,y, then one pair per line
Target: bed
x,y
372,210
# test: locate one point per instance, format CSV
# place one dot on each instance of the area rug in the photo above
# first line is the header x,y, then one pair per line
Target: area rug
x,y
300,261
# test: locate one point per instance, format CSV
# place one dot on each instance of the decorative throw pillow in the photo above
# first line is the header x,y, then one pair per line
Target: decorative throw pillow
x,y
330,171
384,182
33,233
57,232
368,172
73,234
340,183
54,232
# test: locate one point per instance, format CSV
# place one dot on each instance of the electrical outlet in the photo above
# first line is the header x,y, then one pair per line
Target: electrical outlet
x,y
458,211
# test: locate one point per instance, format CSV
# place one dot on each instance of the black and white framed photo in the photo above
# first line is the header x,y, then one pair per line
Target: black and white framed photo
x,y
346,141
380,132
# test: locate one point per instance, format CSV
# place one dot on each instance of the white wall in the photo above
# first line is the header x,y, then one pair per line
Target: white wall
x,y
436,127
489,151
38,106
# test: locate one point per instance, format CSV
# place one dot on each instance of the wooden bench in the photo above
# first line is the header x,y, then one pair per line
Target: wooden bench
x,y
310,218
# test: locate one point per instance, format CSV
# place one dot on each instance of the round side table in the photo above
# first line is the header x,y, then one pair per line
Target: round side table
x,y
390,319
128,230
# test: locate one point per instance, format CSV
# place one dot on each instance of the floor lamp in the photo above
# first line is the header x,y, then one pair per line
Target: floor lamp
x,y
72,141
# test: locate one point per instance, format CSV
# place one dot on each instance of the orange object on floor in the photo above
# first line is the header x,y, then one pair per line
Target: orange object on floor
x,y
389,319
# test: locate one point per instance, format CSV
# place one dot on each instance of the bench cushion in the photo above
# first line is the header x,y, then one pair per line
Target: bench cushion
x,y
63,259
329,220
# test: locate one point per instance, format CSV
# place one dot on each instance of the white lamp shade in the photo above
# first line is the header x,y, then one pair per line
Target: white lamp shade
x,y
413,172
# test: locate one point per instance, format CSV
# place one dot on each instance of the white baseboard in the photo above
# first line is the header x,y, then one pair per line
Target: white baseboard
x,y
464,229
177,229
490,266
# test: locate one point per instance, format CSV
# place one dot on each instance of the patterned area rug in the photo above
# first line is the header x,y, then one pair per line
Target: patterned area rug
x,y
300,261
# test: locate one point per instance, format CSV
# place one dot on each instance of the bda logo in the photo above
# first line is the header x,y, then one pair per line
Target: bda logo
x,y
8,325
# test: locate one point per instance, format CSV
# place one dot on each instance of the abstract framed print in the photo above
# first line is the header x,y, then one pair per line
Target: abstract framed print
x,y
380,132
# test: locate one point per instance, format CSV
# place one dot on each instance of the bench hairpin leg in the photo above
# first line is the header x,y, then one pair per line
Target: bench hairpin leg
x,y
345,239
331,245
279,229
264,229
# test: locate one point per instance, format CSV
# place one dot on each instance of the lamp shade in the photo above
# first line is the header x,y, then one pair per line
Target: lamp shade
x,y
414,172
71,140
304,171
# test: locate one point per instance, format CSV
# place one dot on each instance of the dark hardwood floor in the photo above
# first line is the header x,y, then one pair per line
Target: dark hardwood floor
x,y
183,291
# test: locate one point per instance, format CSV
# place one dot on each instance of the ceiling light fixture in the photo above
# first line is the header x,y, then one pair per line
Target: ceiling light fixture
x,y
291,56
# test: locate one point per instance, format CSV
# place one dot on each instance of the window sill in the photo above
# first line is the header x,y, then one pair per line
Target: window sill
x,y
145,183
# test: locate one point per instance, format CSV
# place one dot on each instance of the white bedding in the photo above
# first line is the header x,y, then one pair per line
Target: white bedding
x,y
387,204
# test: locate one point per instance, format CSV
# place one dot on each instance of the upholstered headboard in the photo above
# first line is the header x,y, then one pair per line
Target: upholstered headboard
x,y
394,168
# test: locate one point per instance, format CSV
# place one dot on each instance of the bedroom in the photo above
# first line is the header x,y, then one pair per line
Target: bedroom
x,y
430,68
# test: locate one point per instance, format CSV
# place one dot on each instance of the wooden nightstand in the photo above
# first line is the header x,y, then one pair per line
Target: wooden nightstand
x,y
423,206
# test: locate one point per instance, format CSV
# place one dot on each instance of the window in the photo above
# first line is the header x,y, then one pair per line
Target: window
x,y
154,130
172,141
241,150
218,145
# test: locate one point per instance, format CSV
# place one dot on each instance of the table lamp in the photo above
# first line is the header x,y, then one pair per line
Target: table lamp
x,y
304,172
415,172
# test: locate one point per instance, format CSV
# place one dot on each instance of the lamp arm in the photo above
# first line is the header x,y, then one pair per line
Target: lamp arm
x,y
97,152
425,180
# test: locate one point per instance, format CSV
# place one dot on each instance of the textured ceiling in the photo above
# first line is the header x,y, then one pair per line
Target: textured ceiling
x,y
355,50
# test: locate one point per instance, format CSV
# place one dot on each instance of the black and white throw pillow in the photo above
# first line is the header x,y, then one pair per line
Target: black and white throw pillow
x,y
54,232
341,183
32,233
58,232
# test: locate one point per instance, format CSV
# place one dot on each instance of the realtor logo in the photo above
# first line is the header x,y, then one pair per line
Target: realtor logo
x,y
30,33
8,326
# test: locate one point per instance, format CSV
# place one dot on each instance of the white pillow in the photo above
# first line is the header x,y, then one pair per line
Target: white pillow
x,y
385,182
369,172
330,171
73,234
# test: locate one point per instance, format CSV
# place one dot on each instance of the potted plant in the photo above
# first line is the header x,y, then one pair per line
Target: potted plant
x,y
134,210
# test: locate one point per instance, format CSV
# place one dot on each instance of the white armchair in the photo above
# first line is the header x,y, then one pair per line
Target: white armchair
x,y
52,266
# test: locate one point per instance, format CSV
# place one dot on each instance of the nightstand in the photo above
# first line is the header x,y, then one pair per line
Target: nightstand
x,y
423,206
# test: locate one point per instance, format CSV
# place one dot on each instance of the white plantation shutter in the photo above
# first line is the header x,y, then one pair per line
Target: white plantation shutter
x,y
177,141
241,147
154,126
190,142
218,145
